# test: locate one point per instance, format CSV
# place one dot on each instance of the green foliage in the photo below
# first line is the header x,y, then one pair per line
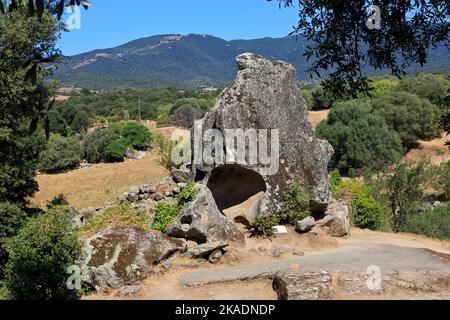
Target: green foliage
x,y
404,186
441,181
57,124
81,122
296,205
165,214
360,139
115,150
137,136
40,255
104,145
163,119
427,86
11,218
412,117
59,200
61,154
321,99
187,195
335,180
165,147
262,227
24,99
368,212
122,215
434,224
382,87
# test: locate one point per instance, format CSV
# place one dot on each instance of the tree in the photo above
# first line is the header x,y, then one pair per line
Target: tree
x,y
61,154
24,99
40,255
348,36
81,122
360,139
412,117
404,186
137,136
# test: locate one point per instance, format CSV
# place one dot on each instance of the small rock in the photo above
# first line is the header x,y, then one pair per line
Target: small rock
x,y
437,204
215,256
167,264
182,185
176,190
280,250
129,291
305,225
206,249
180,175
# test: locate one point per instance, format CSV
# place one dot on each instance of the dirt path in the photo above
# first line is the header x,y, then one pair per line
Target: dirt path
x,y
245,272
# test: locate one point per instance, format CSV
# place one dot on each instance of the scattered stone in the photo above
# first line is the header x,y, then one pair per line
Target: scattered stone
x,y
121,256
204,250
215,256
425,208
180,175
129,291
437,204
338,219
202,221
279,250
176,191
167,264
182,185
192,265
265,95
303,286
305,225
279,230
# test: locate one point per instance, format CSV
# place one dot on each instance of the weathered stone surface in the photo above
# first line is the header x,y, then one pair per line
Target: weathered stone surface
x,y
120,256
201,221
129,291
204,250
338,219
305,225
265,95
180,175
303,286
358,284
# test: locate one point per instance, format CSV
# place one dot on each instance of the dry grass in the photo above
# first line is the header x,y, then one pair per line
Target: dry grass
x,y
93,186
434,149
318,116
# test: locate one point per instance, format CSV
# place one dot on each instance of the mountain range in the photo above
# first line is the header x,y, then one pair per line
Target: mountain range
x,y
191,61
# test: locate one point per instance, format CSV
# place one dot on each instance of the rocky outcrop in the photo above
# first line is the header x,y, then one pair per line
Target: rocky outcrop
x,y
266,96
119,256
303,286
202,221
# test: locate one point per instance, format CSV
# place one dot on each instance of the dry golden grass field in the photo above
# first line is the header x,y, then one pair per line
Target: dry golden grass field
x,y
93,186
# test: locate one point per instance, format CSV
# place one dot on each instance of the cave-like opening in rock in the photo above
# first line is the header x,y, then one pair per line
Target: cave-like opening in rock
x,y
233,185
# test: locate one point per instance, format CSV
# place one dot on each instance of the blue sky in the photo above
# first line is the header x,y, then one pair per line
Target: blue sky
x,y
110,23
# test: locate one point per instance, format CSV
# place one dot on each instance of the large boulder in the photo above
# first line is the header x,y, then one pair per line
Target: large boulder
x,y
265,96
202,221
121,256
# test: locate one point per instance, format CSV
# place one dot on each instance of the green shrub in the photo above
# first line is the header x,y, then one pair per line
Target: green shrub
x,y
104,145
59,200
165,214
367,211
335,180
296,205
137,136
411,117
428,86
262,227
163,119
115,150
434,224
11,219
40,255
441,181
321,99
360,139
165,147
81,122
187,195
61,154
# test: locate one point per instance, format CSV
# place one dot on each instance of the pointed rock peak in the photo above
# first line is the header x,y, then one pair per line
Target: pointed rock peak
x,y
250,61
